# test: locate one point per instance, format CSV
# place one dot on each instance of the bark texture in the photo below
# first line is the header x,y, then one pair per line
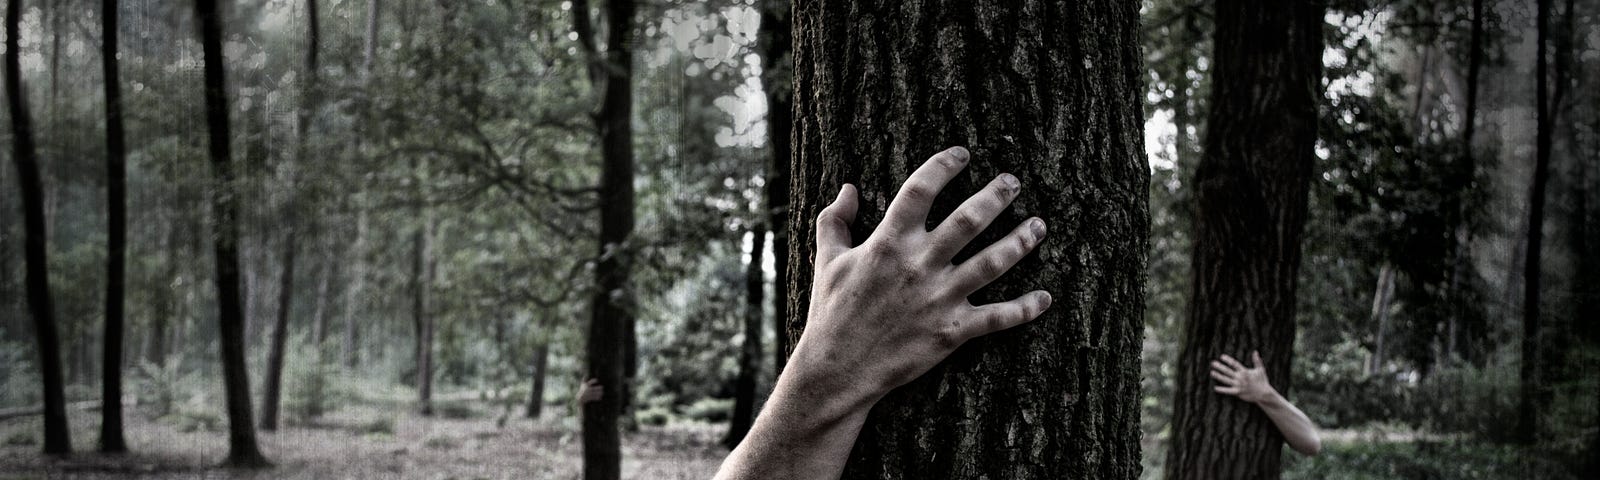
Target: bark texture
x,y
1250,188
243,450
57,438
1048,91
111,439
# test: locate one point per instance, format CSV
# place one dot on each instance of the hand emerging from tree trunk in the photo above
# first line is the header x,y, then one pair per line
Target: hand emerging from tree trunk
x,y
881,315
1251,385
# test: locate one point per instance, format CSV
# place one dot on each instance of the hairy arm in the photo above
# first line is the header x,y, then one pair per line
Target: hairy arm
x,y
881,315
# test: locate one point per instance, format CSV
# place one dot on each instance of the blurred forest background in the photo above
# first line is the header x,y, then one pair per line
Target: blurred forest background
x,y
419,237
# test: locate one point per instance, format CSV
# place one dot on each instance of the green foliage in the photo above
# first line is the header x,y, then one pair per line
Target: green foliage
x,y
19,379
461,409
710,410
22,438
382,425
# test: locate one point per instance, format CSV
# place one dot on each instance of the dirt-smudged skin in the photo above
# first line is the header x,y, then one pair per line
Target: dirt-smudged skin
x,y
1045,90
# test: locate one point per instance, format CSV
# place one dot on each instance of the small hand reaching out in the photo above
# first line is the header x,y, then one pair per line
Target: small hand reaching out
x,y
590,391
1249,384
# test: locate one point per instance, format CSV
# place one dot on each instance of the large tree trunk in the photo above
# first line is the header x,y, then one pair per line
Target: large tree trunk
x,y
611,304
777,72
1251,190
111,440
1046,90
744,387
242,448
1530,392
57,440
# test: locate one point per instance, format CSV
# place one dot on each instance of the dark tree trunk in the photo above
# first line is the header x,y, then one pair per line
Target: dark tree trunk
x,y
1529,395
242,448
1382,295
1457,343
1046,90
111,440
1251,188
354,302
421,318
611,305
744,387
273,389
57,439
541,363
272,393
777,72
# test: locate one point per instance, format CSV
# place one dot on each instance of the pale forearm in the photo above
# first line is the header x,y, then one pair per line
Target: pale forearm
x,y
805,431
1296,427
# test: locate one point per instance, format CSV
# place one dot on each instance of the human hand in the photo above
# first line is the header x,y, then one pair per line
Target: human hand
x,y
885,312
1249,384
590,391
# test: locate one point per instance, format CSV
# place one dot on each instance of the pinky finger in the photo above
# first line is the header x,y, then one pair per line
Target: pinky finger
x,y
1226,390
995,317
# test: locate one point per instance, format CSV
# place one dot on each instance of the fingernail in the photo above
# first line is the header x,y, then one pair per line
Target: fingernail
x,y
1037,226
1046,298
1012,184
960,154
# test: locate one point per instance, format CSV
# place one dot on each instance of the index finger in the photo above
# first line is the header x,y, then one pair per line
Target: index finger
x,y
910,207
1234,363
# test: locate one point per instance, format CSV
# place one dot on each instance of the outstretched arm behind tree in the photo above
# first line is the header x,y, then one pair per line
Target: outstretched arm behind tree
x,y
1251,385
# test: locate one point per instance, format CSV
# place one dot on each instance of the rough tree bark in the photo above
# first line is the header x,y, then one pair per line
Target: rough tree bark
x,y
611,303
111,439
1048,91
744,386
1529,394
57,438
777,70
1251,188
272,394
242,448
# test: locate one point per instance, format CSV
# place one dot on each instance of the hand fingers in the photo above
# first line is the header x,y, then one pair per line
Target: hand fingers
x,y
995,317
1255,359
995,260
1235,363
1227,370
833,225
910,207
1223,376
1226,390
973,216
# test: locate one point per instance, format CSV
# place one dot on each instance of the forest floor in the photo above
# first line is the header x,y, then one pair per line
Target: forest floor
x,y
359,443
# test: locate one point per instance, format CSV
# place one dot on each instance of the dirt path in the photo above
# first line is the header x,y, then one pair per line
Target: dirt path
x,y
359,444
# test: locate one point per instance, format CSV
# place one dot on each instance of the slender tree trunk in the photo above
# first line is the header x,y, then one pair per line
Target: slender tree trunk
x,y
272,391
541,363
744,403
57,440
611,305
879,87
319,313
1529,394
1459,262
272,394
777,71
421,318
242,448
1382,295
354,302
111,440
1251,188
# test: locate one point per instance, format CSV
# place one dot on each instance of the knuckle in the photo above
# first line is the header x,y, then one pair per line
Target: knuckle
x,y
949,337
947,160
918,191
966,222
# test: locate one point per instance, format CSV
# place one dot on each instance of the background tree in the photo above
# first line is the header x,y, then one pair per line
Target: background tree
x,y
57,437
1251,188
242,448
111,440
1061,392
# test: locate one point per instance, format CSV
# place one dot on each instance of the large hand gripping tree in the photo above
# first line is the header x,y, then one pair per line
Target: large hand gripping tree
x,y
1045,90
